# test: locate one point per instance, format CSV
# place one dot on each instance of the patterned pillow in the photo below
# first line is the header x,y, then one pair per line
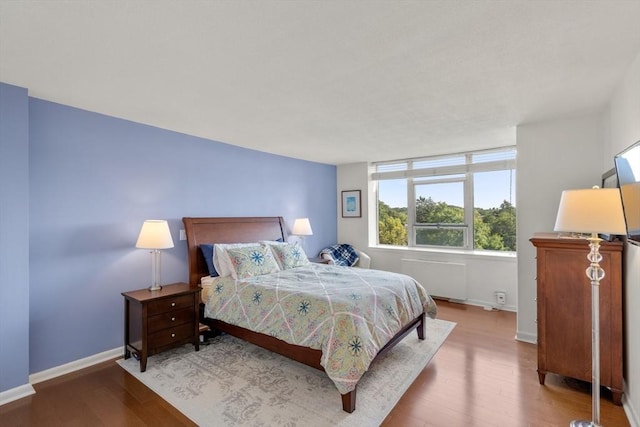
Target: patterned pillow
x,y
221,260
290,255
252,261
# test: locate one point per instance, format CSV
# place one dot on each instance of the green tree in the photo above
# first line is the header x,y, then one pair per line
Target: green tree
x,y
392,232
392,225
430,212
494,229
504,224
483,237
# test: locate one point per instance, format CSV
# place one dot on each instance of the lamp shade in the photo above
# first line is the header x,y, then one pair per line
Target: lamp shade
x,y
593,210
154,234
302,227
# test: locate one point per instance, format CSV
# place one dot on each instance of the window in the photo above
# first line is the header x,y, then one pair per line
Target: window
x,y
464,201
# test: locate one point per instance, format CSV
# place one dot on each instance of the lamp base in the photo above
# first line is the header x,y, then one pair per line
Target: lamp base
x,y
155,288
583,423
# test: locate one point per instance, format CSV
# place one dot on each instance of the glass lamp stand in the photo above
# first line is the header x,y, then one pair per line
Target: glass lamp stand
x,y
155,270
595,274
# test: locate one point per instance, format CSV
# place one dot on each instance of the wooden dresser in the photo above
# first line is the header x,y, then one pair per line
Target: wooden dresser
x,y
155,321
564,310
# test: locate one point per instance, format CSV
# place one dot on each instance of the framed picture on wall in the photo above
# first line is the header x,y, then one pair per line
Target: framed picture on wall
x,y
351,204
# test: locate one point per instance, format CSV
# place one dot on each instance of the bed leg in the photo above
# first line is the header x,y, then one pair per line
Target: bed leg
x,y
420,328
349,401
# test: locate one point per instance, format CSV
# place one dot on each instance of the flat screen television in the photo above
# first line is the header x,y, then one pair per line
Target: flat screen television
x,y
628,172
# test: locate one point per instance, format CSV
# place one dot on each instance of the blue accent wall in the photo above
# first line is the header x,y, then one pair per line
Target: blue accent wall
x,y
93,180
14,241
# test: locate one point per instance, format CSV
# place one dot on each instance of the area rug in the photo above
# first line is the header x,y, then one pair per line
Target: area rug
x,y
230,382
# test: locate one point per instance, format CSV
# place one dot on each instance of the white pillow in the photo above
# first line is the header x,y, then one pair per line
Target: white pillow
x,y
273,242
221,260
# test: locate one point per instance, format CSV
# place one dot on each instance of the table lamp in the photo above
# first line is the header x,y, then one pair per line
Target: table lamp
x,y
155,235
301,228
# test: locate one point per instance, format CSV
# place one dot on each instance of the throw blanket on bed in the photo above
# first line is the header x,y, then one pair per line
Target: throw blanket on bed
x,y
341,254
348,313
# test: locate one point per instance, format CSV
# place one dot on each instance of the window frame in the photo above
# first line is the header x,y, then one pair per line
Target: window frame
x,y
441,174
414,225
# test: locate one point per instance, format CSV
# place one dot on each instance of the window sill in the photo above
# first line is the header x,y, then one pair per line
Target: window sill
x,y
460,252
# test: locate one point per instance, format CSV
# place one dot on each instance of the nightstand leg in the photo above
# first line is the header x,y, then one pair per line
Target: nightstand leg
x,y
127,353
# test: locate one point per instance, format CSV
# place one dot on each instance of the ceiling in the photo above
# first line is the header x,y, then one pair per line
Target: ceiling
x,y
329,81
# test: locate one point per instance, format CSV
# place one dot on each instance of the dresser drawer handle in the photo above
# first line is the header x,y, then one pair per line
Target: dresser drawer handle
x,y
173,335
173,304
173,319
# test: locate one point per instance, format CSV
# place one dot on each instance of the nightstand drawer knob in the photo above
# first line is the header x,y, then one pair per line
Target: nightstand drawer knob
x,y
173,319
173,304
173,335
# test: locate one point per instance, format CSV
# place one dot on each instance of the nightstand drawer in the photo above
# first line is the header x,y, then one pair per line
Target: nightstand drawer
x,y
169,319
168,304
171,335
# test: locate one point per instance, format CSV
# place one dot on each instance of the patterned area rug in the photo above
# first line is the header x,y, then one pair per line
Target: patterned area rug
x,y
233,383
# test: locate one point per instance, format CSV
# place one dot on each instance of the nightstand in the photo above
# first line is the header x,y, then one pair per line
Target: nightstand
x,y
155,321
319,260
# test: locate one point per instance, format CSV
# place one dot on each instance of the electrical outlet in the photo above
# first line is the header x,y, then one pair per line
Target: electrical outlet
x,y
501,298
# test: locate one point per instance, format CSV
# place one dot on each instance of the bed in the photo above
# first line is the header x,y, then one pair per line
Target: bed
x,y
201,231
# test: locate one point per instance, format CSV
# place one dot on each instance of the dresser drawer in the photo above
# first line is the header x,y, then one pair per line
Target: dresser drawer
x,y
170,319
171,335
169,304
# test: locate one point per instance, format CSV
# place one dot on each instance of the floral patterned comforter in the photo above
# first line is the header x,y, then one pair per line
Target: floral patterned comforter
x,y
348,313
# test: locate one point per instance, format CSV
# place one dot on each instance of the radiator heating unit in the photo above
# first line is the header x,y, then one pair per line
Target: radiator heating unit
x,y
440,279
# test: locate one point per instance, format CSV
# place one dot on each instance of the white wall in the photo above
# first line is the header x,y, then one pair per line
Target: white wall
x,y
484,274
552,156
623,129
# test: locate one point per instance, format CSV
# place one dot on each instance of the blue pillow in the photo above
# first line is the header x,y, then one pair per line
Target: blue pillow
x,y
207,252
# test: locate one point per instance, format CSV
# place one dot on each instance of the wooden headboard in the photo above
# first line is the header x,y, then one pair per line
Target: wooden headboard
x,y
226,230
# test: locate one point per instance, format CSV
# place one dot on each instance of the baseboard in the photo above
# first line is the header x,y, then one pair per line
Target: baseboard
x,y
16,393
489,306
527,337
629,410
75,365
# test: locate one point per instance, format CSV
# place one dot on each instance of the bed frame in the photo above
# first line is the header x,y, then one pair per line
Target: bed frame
x,y
253,229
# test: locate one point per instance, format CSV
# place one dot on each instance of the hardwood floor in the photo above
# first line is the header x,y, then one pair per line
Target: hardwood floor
x,y
481,376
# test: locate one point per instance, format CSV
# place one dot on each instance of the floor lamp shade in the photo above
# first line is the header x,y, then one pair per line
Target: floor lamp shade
x,y
595,210
155,235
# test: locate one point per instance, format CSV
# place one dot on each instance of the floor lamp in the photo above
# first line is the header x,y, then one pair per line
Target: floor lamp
x,y
593,211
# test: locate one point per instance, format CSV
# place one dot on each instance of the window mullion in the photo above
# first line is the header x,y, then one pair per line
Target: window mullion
x,y
468,210
411,213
